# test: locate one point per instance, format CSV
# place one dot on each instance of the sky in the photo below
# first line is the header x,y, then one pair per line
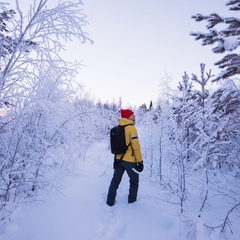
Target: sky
x,y
138,43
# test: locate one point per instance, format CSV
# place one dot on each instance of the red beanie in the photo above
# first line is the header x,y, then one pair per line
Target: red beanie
x,y
126,113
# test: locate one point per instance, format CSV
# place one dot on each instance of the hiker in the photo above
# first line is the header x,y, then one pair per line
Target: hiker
x,y
131,160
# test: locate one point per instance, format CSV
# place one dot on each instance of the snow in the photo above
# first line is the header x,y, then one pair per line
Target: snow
x,y
79,211
231,43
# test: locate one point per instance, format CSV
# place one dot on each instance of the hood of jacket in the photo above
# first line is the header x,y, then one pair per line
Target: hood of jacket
x,y
125,121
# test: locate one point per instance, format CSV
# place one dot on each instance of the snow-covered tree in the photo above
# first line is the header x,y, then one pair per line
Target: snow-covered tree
x,y
224,115
7,42
35,38
226,40
36,86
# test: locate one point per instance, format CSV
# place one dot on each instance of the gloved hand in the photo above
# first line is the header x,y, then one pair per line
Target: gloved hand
x,y
140,166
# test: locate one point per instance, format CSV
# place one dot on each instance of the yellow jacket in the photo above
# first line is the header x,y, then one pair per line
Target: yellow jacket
x,y
133,153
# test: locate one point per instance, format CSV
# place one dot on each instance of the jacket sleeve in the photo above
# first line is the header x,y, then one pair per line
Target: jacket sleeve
x,y
135,144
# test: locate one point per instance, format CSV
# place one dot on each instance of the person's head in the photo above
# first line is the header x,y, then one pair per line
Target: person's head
x,y
128,113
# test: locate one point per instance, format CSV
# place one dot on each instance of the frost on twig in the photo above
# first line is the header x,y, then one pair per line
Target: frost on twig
x,y
226,220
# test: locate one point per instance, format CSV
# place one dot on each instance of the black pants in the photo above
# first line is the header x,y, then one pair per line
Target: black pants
x,y
117,177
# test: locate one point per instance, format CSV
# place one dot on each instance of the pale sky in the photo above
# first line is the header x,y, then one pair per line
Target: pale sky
x,y
136,43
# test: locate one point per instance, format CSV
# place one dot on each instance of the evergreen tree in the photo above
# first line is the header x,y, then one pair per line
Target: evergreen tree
x,y
224,115
119,106
8,43
227,39
150,105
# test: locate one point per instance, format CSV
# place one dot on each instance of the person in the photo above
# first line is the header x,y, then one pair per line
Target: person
x,y
131,161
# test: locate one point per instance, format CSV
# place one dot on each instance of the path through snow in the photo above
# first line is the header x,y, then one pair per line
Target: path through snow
x,y
80,213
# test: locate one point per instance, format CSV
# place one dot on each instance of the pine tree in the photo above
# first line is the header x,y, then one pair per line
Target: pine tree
x,y
224,114
9,44
119,106
227,39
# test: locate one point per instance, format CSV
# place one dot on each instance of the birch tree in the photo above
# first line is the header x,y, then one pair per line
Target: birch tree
x,y
36,85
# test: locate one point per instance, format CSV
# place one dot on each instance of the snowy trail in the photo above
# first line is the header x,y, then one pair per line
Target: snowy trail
x,y
81,212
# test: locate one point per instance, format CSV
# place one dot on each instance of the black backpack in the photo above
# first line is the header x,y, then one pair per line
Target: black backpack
x,y
118,140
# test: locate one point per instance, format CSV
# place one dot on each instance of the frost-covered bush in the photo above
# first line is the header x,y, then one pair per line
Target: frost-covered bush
x,y
36,88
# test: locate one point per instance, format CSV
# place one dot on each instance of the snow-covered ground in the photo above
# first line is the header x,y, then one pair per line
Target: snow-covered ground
x,y
79,212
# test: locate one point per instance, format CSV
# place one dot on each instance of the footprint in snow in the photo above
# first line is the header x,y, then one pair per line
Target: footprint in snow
x,y
112,224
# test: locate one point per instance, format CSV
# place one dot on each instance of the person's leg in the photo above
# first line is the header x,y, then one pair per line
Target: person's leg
x,y
112,191
134,180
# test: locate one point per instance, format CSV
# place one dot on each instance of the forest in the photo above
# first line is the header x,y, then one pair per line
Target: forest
x,y
190,137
